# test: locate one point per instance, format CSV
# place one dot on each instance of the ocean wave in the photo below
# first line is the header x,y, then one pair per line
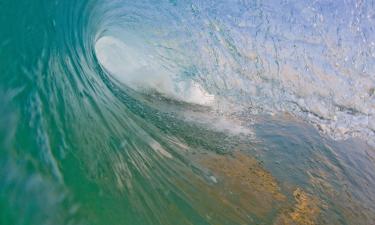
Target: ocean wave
x,y
112,109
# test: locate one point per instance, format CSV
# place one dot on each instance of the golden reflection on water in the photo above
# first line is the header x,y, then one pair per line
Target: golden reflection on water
x,y
242,191
305,211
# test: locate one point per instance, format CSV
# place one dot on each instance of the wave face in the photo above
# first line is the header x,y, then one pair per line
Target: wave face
x,y
312,60
138,112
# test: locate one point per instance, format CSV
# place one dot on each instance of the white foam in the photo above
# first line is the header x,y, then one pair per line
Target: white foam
x,y
138,69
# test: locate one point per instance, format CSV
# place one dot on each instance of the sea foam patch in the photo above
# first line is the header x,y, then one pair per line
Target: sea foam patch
x,y
138,69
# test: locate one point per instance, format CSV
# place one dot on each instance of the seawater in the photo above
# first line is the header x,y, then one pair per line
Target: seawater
x,y
187,112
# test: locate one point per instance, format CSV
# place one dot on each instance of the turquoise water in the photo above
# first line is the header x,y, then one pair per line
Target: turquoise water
x,y
187,112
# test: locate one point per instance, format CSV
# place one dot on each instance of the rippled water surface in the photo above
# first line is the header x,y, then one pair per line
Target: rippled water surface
x,y
187,112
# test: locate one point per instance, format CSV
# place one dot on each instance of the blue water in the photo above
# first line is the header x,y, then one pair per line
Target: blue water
x,y
187,112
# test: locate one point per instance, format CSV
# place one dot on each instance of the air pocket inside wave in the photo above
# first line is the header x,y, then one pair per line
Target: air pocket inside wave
x,y
138,69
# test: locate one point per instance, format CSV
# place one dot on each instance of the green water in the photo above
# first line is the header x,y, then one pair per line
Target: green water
x,y
80,145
